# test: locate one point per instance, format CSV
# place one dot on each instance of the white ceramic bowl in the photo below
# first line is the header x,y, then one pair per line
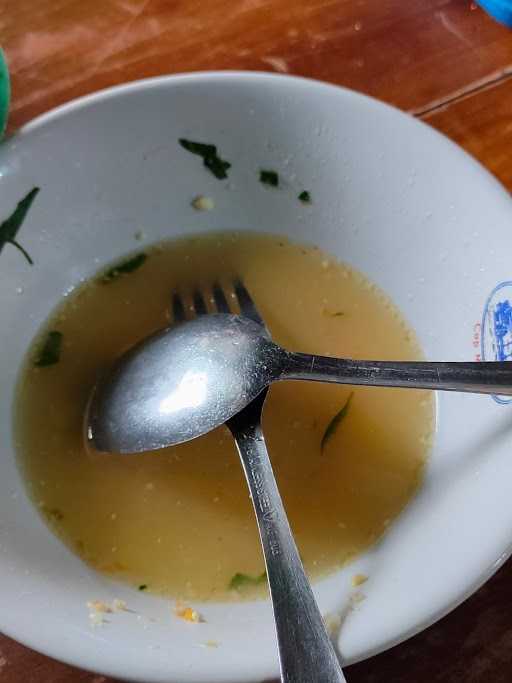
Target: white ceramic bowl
x,y
393,198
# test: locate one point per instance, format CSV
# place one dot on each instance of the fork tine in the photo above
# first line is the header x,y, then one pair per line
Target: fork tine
x,y
199,303
220,298
178,309
199,306
247,306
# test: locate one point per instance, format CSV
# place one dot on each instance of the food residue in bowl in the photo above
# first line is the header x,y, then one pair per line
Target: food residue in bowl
x,y
202,203
188,613
179,522
358,580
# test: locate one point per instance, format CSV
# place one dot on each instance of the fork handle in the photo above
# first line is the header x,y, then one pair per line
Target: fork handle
x,y
493,377
306,653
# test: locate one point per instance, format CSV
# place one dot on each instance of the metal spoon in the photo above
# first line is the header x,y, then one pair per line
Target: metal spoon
x,y
188,379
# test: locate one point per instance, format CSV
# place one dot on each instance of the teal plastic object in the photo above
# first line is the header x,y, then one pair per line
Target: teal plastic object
x,y
5,93
499,9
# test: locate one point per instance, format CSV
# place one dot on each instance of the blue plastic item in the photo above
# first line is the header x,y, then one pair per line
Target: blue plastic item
x,y
499,9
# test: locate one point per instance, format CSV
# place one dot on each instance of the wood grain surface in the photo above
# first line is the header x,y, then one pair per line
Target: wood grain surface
x,y
445,61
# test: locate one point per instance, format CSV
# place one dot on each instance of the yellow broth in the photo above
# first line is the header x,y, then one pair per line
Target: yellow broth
x,y
179,520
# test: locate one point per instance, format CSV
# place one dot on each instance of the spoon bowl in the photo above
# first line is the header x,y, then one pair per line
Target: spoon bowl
x,y
181,383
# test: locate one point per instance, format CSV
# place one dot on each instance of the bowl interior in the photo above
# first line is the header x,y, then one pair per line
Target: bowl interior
x,y
391,197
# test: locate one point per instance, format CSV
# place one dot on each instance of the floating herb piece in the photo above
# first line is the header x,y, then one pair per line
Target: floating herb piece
x,y
336,314
335,423
124,267
211,159
9,228
305,197
269,178
50,350
241,580
143,586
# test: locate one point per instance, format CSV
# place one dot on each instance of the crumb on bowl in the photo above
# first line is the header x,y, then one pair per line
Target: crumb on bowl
x,y
119,605
188,613
99,607
359,579
202,203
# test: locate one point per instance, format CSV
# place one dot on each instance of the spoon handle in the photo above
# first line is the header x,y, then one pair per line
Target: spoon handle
x,y
305,651
493,377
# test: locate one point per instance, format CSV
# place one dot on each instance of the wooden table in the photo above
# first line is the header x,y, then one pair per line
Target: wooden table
x,y
445,61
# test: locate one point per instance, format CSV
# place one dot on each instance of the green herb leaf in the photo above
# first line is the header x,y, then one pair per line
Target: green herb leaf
x,y
50,350
143,586
305,197
217,166
9,228
335,423
242,580
199,148
211,159
124,267
269,178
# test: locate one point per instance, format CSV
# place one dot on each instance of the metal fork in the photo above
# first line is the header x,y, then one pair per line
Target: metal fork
x,y
306,654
